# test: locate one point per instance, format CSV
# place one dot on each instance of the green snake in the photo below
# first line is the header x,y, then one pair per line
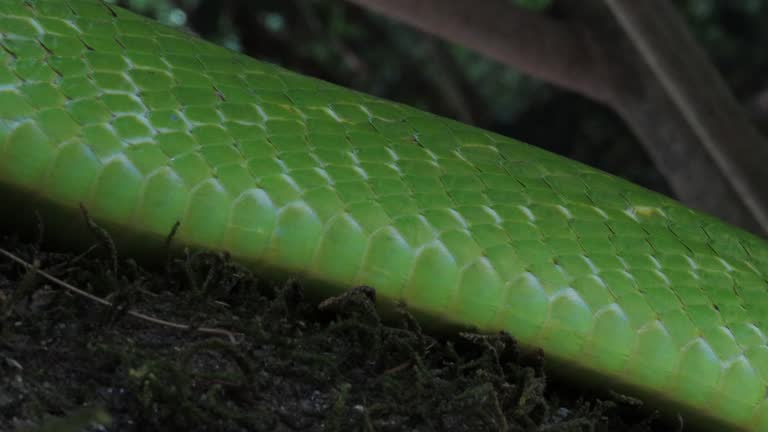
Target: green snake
x,y
146,126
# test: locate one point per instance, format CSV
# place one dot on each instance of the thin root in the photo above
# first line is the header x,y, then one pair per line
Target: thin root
x,y
231,336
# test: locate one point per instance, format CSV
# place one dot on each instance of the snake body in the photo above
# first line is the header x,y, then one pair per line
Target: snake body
x,y
146,126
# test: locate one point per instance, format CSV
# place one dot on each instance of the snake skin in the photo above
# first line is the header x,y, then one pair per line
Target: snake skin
x,y
147,126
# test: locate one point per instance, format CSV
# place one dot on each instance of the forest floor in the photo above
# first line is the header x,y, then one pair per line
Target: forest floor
x,y
279,363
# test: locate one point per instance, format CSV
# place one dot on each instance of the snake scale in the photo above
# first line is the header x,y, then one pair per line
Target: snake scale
x,y
146,126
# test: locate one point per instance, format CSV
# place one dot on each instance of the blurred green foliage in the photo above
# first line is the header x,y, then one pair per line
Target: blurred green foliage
x,y
734,34
341,43
536,5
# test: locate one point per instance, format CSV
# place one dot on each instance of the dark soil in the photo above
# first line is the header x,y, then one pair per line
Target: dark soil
x,y
69,363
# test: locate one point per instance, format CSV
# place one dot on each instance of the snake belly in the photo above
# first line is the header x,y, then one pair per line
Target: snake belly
x,y
146,126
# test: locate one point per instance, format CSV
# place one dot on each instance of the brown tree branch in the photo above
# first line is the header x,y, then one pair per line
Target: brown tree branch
x,y
530,42
677,153
701,95
588,52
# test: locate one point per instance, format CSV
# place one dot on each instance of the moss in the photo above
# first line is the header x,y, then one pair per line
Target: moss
x,y
294,366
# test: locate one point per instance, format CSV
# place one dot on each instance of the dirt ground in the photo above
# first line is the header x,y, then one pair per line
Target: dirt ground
x,y
253,355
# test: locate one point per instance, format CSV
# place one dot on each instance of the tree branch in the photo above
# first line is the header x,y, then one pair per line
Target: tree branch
x,y
530,42
696,88
587,51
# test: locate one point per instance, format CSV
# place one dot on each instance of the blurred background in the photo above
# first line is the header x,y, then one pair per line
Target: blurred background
x,y
347,45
